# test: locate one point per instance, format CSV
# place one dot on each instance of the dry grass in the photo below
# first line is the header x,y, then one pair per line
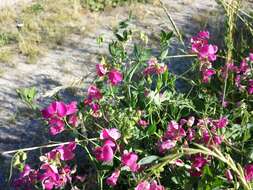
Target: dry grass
x,y
6,55
41,25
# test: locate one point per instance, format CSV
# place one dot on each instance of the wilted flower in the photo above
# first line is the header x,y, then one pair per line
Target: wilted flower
x,y
94,93
26,178
112,180
206,75
101,70
164,145
143,123
229,175
174,131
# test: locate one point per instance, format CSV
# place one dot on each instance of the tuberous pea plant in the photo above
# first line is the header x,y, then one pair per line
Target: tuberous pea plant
x,y
141,132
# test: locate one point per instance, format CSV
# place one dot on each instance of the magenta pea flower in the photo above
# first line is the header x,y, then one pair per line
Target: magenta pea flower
x,y
165,145
130,159
206,75
101,70
112,134
73,120
250,86
112,180
251,56
204,34
105,153
174,131
65,152
229,175
115,77
55,109
143,185
56,126
208,52
26,178
221,123
248,172
155,186
50,178
191,133
94,92
143,123
199,161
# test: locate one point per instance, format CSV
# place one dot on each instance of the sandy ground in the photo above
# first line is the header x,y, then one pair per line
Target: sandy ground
x,y
77,57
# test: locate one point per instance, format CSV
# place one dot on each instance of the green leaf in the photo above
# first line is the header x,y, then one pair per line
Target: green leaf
x,y
151,129
148,159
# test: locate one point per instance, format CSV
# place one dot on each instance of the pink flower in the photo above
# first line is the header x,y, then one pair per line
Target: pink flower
x,y
248,172
129,159
101,70
143,185
112,180
154,67
56,126
155,186
250,86
198,162
115,77
65,152
165,145
217,139
104,153
174,131
26,178
55,109
178,162
73,120
191,134
229,175
143,123
95,107
208,52
206,136
112,134
50,178
221,123
244,67
251,56
71,108
94,93
203,34
206,75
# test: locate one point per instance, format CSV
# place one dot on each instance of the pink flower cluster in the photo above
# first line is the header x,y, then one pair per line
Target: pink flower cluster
x,y
52,173
55,114
145,185
206,53
203,131
154,67
114,75
243,74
